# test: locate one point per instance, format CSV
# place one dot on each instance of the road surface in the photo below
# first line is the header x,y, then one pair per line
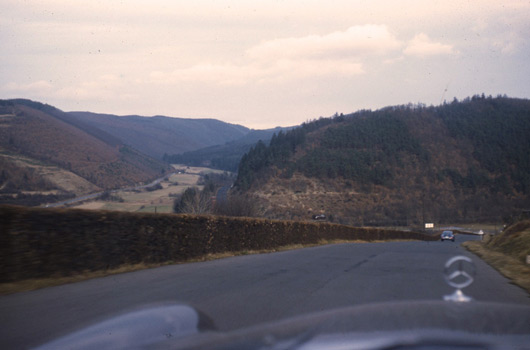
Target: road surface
x,y
247,290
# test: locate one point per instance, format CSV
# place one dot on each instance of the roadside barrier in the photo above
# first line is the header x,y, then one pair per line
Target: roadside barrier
x,y
46,242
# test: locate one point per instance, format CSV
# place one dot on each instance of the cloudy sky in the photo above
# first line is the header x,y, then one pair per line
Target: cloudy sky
x,y
260,63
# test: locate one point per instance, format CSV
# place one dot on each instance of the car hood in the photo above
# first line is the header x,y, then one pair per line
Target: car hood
x,y
373,326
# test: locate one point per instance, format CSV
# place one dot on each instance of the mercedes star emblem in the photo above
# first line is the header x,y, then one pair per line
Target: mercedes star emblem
x,y
459,272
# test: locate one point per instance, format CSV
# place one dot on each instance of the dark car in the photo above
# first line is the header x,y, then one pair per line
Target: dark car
x,y
447,235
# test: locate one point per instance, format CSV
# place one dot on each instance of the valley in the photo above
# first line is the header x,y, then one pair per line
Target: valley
x,y
466,161
49,156
157,200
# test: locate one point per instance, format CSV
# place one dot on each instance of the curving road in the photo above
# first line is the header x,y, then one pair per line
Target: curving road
x,y
98,194
247,290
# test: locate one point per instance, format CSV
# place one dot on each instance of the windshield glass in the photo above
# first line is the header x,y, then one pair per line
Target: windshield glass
x,y
262,161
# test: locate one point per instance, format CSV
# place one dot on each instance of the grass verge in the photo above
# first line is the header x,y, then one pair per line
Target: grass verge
x,y
511,268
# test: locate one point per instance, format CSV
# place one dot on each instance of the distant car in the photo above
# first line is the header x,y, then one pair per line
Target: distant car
x,y
447,235
319,217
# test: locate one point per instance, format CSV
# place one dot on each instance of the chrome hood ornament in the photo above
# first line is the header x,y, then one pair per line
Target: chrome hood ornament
x,y
459,272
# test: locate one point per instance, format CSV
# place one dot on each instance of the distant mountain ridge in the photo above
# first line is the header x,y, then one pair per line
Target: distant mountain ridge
x,y
159,135
461,161
65,117
43,149
88,152
225,156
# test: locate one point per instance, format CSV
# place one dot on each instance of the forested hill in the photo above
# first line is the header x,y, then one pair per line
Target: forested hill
x,y
46,155
459,161
224,157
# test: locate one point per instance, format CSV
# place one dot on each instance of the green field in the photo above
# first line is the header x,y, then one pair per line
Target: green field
x,y
160,201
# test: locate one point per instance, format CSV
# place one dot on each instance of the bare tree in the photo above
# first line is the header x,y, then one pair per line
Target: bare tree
x,y
194,201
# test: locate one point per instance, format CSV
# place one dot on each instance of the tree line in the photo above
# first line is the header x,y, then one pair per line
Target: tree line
x,y
205,200
367,146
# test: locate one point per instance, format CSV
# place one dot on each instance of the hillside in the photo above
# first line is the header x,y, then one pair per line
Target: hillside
x,y
45,152
224,157
507,251
159,135
461,161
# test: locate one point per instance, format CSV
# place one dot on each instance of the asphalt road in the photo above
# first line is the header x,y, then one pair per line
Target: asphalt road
x,y
247,290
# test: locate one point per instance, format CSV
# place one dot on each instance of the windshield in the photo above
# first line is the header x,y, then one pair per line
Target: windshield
x,y
261,161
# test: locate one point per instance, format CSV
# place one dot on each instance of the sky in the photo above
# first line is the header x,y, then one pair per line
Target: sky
x,y
260,63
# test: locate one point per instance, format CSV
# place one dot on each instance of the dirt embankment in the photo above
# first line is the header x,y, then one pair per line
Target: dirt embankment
x,y
507,252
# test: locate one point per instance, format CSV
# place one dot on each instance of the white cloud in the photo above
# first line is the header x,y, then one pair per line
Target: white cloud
x,y
336,54
252,59
287,70
510,42
40,86
421,46
221,74
356,41
105,87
